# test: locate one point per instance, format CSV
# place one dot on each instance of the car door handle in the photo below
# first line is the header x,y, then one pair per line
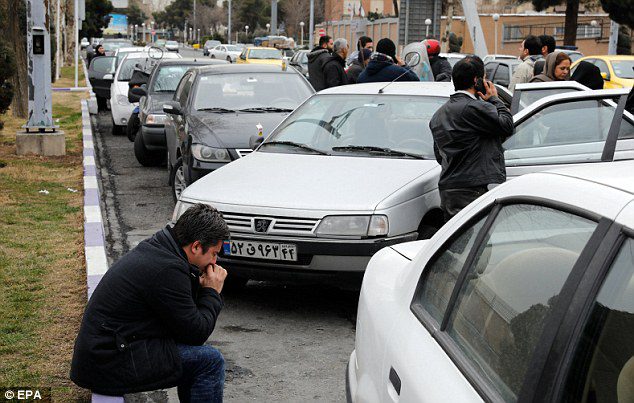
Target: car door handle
x,y
394,387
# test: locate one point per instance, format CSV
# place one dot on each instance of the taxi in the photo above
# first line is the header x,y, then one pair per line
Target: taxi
x,y
617,70
261,55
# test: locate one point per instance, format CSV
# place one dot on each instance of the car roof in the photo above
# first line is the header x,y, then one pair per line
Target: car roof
x,y
227,68
618,175
611,57
552,84
437,89
191,61
262,47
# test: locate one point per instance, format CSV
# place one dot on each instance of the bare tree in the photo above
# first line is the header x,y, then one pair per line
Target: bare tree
x,y
15,34
295,11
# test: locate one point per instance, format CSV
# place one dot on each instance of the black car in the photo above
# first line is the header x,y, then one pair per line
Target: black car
x,y
149,144
217,110
300,61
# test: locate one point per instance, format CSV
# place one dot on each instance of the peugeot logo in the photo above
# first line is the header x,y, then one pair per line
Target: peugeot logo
x,y
261,224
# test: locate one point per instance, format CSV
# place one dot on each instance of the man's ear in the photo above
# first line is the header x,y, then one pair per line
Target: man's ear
x,y
196,247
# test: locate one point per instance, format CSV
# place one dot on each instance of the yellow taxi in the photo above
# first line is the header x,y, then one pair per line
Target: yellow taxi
x,y
262,55
617,70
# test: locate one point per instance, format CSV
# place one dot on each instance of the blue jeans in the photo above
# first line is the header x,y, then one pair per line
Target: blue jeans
x,y
203,374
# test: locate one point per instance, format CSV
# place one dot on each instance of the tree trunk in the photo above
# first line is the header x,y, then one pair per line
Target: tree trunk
x,y
20,105
395,2
570,32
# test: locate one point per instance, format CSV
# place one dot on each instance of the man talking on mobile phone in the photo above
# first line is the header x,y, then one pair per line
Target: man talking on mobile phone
x,y
147,322
468,134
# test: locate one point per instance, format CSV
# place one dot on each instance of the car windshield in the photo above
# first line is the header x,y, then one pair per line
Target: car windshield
x,y
248,91
623,68
361,126
171,43
167,77
265,54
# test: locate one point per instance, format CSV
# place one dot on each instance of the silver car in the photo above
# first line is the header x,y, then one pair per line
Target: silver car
x,y
352,170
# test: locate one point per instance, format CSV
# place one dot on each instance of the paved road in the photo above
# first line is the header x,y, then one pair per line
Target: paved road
x,y
281,341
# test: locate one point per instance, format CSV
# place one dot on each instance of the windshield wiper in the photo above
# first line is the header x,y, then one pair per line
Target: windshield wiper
x,y
378,150
265,109
298,145
219,110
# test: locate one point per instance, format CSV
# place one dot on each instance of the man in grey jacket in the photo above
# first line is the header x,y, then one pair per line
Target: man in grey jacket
x,y
530,52
468,134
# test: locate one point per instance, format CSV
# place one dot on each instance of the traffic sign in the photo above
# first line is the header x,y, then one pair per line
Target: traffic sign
x,y
321,32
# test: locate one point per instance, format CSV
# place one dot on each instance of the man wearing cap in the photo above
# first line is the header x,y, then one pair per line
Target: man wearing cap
x,y
384,66
440,67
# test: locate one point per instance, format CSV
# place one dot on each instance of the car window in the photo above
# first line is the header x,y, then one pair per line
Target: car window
x,y
265,54
623,68
603,66
489,70
512,286
102,64
529,96
166,79
400,123
127,68
186,90
563,133
440,275
502,75
603,365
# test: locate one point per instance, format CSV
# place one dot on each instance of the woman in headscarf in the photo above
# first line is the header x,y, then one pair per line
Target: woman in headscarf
x,y
589,75
556,68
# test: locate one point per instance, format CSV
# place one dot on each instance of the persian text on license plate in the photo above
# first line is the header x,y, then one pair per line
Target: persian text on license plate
x,y
261,250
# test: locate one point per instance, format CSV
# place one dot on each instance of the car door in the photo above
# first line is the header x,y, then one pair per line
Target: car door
x,y
574,128
174,125
101,75
483,300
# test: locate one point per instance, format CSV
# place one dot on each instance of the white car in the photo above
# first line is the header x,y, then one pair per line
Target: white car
x,y
172,46
353,170
121,108
225,52
84,43
526,295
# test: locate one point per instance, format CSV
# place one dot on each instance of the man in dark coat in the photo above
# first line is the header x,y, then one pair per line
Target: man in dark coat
x,y
468,135
316,59
147,322
440,66
334,68
358,65
384,66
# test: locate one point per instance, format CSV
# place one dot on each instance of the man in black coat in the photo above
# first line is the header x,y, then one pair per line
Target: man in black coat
x,y
334,68
384,66
147,322
440,66
468,134
316,59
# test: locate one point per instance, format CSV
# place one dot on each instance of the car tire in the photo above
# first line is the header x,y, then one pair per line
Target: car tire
x,y
426,231
229,59
146,157
117,130
177,178
213,56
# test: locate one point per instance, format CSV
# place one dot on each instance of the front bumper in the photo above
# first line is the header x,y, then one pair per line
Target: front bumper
x,y
316,256
154,137
120,113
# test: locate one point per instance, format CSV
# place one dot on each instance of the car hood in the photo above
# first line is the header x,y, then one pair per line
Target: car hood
x,y
231,130
308,182
156,101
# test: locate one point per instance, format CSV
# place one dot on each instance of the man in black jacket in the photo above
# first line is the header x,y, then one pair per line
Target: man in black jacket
x,y
468,135
145,326
316,59
334,68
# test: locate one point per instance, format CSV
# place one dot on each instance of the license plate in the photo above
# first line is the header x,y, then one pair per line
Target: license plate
x,y
261,250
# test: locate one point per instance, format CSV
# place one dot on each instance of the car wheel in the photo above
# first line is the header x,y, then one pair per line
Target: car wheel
x,y
229,59
178,179
146,157
116,130
213,56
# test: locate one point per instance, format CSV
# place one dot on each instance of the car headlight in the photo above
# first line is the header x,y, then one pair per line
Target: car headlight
x,y
180,208
210,154
354,225
122,99
154,119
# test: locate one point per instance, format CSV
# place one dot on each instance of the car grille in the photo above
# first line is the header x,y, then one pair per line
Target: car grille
x,y
238,222
242,152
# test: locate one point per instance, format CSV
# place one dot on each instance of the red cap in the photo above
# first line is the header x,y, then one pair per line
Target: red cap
x,y
433,47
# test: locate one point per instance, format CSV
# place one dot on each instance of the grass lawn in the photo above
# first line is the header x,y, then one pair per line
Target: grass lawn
x,y
67,77
42,269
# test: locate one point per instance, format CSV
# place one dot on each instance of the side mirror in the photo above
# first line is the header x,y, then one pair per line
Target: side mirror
x,y
173,108
108,77
255,141
605,76
412,59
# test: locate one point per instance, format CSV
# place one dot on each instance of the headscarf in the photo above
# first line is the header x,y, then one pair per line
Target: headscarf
x,y
589,75
548,74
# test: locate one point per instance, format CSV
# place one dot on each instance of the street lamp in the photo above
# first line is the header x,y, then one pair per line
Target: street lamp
x,y
301,27
246,30
136,32
143,26
496,17
268,27
152,31
427,24
198,40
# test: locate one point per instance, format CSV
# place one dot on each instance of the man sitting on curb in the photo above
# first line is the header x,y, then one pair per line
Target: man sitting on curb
x,y
147,322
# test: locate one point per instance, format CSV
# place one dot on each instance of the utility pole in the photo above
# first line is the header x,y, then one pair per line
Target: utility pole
x,y
41,136
229,25
194,18
311,26
273,17
58,40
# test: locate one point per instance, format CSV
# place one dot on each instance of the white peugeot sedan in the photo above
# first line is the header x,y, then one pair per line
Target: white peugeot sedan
x,y
225,52
525,295
120,107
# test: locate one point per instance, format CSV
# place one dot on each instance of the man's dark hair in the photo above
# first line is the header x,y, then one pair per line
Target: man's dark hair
x,y
324,40
202,223
533,45
465,71
549,42
364,40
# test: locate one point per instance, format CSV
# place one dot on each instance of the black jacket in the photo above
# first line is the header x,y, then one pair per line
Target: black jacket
x,y
334,72
316,59
382,69
440,68
146,302
354,70
468,135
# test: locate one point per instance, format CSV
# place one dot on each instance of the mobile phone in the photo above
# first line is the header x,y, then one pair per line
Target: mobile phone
x,y
479,86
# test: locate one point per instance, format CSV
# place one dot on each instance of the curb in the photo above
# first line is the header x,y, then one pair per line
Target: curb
x,y
92,102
